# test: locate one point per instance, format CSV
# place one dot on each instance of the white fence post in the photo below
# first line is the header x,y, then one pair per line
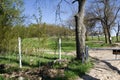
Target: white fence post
x,y
59,48
19,47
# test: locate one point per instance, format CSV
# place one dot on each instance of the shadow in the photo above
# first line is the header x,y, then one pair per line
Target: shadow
x,y
112,67
108,64
11,60
46,57
82,74
88,77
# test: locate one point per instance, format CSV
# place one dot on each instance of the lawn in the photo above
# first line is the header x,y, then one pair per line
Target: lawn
x,y
30,62
67,45
34,56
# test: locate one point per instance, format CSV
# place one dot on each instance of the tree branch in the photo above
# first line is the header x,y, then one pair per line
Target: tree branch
x,y
58,10
74,1
115,16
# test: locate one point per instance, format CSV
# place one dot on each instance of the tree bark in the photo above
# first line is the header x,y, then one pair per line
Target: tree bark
x,y
109,35
117,37
117,34
86,36
80,30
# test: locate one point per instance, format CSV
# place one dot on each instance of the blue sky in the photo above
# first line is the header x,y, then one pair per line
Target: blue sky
x,y
48,10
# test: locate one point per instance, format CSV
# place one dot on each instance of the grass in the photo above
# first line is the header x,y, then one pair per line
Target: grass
x,y
96,44
31,60
76,68
73,70
1,78
68,44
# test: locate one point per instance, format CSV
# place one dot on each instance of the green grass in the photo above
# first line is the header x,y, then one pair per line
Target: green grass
x,y
96,44
79,68
1,78
73,70
68,44
29,60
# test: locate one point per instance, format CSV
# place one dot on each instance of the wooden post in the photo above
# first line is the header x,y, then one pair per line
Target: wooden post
x,y
59,48
19,47
87,54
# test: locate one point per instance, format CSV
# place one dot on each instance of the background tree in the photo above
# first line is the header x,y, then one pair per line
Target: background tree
x,y
90,25
106,12
9,12
117,31
117,34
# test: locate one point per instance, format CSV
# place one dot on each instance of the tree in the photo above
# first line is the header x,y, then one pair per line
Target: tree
x,y
79,24
117,31
80,29
117,34
106,12
90,25
10,12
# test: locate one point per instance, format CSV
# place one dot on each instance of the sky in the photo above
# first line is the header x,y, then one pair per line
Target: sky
x,y
48,9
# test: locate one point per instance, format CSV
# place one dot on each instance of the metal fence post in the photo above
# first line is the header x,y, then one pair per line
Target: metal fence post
x,y
59,48
19,47
86,53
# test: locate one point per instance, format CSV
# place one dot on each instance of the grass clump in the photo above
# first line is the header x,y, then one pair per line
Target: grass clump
x,y
74,69
77,69
1,78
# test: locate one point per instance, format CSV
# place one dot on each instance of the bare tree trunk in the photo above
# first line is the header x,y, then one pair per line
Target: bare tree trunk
x,y
117,34
105,32
109,36
80,30
98,38
86,36
106,36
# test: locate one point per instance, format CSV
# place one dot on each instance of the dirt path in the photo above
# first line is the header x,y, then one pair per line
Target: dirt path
x,y
105,66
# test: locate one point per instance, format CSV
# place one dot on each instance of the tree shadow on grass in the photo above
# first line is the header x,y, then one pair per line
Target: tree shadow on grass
x,y
26,64
15,61
82,75
46,57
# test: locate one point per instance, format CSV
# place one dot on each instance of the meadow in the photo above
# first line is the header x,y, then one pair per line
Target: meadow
x,y
37,53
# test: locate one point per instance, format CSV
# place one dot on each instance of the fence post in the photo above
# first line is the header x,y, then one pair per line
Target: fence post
x,y
86,53
19,47
59,48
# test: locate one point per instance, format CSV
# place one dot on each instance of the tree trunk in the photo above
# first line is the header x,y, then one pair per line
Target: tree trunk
x,y
105,32
80,30
117,34
117,37
86,36
98,38
108,35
